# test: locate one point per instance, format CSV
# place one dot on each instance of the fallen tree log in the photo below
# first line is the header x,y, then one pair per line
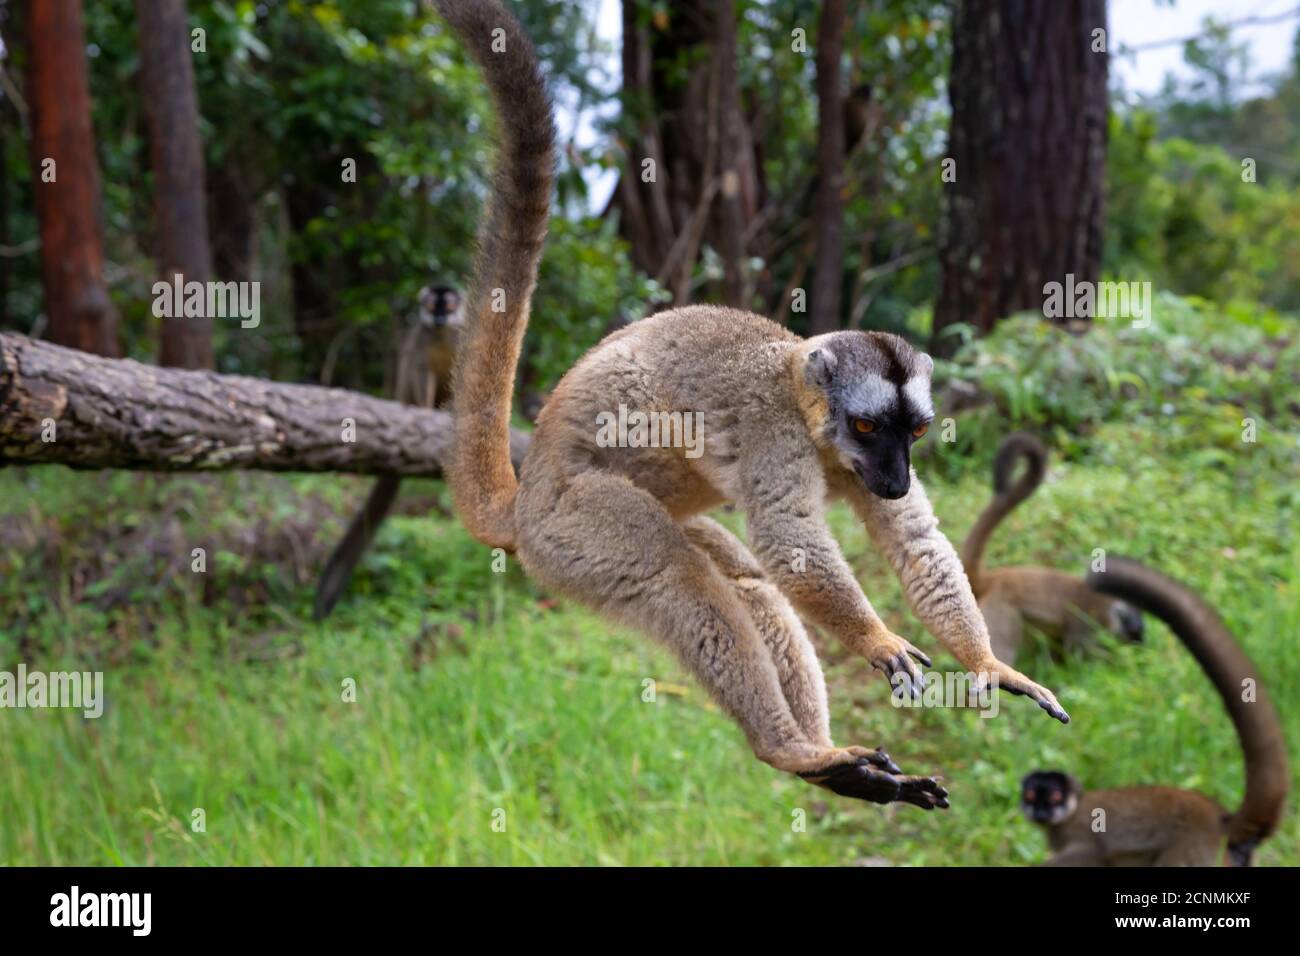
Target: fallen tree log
x,y
62,406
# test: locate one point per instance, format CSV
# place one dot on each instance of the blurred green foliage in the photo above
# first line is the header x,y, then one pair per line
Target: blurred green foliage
x,y
1180,214
1201,373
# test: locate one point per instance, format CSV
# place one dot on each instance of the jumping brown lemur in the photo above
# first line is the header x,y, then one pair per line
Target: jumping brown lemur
x,y
788,424
1165,826
424,361
1059,605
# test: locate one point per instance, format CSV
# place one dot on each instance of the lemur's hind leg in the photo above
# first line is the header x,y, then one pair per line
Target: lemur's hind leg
x,y
777,624
608,543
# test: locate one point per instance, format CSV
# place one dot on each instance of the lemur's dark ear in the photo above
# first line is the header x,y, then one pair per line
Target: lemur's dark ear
x,y
820,367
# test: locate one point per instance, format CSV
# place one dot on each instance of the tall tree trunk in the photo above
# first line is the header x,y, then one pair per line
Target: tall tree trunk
x,y
176,157
682,94
732,160
233,227
1028,136
65,180
646,219
828,206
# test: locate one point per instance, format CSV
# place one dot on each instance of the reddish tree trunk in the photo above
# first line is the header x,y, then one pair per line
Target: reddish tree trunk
x,y
828,206
65,178
1028,136
176,157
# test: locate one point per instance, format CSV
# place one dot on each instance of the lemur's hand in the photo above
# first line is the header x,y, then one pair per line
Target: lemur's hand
x,y
1013,682
890,653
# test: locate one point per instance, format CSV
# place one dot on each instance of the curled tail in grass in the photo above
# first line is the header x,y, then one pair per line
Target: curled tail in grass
x,y
1006,496
1201,631
479,472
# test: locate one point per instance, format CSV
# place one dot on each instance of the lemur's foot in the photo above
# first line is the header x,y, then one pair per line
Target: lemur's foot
x,y
870,775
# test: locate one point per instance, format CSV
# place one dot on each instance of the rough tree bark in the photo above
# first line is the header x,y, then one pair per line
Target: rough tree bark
x,y
681,92
1028,135
106,413
646,219
733,160
176,160
66,193
828,204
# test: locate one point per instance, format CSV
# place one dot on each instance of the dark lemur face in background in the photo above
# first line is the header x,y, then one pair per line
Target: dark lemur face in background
x,y
1126,622
878,389
439,305
1049,797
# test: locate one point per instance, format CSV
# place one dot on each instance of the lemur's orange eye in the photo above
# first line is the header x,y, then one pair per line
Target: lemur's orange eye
x,y
920,430
864,426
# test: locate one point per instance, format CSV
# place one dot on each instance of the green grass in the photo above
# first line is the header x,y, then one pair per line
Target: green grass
x,y
537,710
477,694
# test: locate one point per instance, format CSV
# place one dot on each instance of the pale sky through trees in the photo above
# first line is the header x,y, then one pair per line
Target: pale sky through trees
x,y
1132,22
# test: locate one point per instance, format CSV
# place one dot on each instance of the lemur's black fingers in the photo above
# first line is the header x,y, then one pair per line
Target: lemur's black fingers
x,y
899,664
1016,683
926,801
1055,709
1044,699
923,792
878,758
920,656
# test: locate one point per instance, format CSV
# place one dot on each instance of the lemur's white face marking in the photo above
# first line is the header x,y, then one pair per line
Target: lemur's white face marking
x,y
876,397
878,391
917,391
872,396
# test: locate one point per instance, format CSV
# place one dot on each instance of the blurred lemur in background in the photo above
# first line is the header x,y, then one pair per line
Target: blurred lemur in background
x,y
1058,604
424,363
786,426
1165,826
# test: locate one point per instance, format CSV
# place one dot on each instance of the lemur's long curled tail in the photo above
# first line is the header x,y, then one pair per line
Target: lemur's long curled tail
x,y
1006,495
1226,664
482,480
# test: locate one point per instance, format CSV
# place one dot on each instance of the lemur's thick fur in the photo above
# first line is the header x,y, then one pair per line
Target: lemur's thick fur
x,y
784,428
